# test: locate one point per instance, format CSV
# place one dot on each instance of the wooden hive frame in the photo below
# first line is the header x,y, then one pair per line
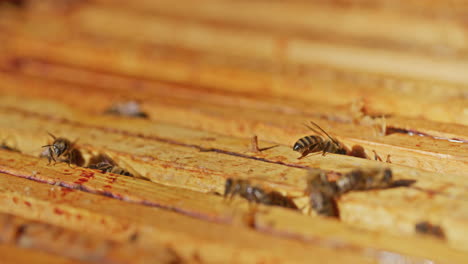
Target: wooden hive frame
x,y
396,87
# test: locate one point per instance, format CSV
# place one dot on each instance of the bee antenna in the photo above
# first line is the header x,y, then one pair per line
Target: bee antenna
x,y
313,129
46,146
50,134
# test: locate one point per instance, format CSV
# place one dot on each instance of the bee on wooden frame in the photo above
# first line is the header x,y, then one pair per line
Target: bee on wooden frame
x,y
323,193
61,147
321,142
256,194
106,166
365,179
128,109
427,228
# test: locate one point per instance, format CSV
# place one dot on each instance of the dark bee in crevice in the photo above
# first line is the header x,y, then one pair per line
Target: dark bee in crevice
x,y
62,150
321,142
256,194
127,109
365,179
427,228
105,164
323,193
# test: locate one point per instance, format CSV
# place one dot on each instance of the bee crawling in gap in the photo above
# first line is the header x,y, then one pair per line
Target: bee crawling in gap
x,y
128,109
106,166
256,194
323,193
365,179
61,147
318,143
429,229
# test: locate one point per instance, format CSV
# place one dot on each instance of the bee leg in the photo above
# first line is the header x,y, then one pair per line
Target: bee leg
x,y
230,197
69,160
51,157
326,148
376,156
304,207
388,159
305,153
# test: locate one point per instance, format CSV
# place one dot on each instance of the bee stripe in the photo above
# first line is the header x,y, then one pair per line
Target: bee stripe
x,y
303,141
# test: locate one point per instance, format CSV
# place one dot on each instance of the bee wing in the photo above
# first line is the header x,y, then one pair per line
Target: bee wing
x,y
330,137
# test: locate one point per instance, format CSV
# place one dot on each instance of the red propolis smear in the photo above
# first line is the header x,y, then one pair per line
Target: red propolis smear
x,y
112,178
66,191
87,174
15,200
78,217
59,211
10,160
81,180
107,186
27,203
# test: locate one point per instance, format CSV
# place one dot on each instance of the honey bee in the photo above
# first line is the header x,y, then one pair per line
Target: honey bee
x,y
106,166
128,109
256,194
321,193
429,229
61,147
317,143
365,179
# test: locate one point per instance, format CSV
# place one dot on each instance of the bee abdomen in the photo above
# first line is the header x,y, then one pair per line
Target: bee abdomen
x,y
305,143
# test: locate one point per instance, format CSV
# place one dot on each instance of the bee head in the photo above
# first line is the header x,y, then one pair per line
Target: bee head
x,y
59,147
228,186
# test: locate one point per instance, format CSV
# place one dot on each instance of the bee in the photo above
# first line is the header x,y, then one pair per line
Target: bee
x,y
321,193
106,166
318,142
429,229
365,179
61,147
128,109
256,194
